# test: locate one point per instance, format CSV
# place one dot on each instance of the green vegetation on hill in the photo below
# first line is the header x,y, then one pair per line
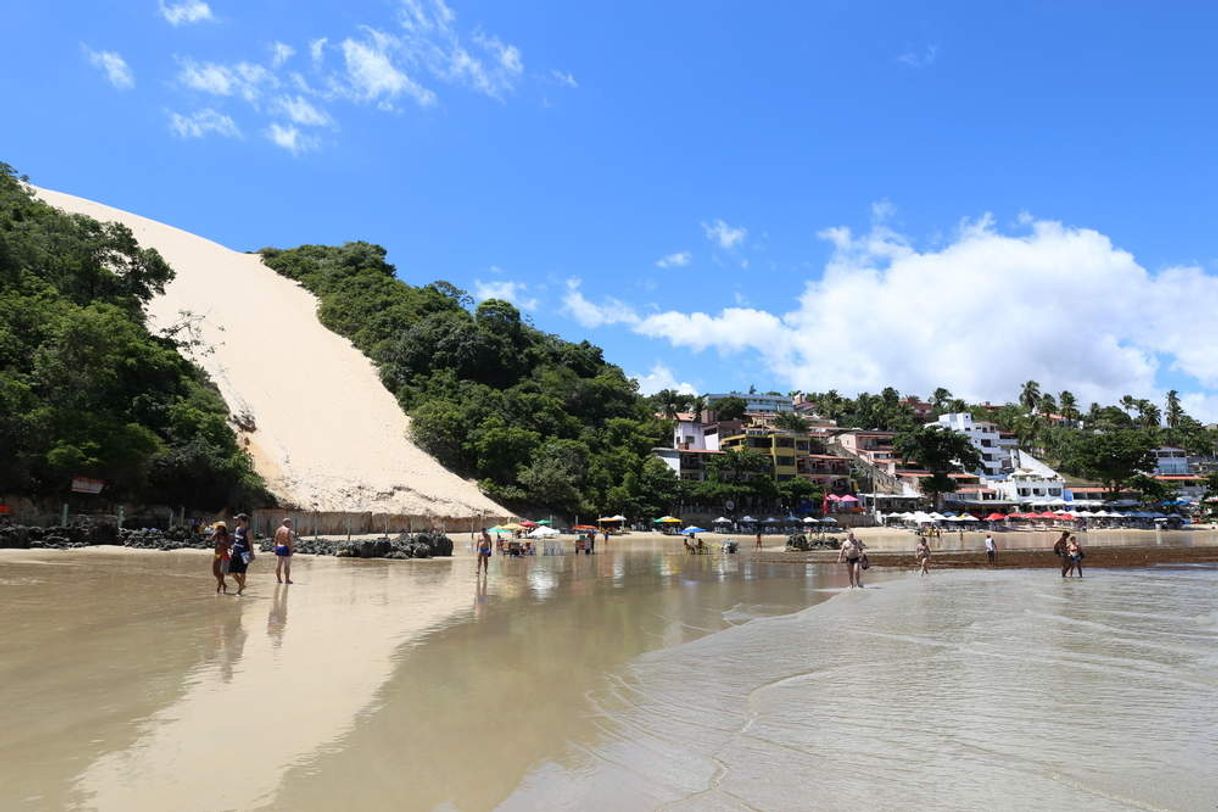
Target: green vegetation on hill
x,y
84,388
539,421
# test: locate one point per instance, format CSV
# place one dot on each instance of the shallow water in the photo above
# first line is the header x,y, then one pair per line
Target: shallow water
x,y
964,690
634,679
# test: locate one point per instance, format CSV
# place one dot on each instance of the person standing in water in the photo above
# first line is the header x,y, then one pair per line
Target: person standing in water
x,y
1059,550
243,551
223,552
922,554
285,546
1074,554
485,548
991,549
852,553
758,539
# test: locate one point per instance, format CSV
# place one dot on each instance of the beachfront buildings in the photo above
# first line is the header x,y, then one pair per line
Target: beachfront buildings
x,y
999,450
782,447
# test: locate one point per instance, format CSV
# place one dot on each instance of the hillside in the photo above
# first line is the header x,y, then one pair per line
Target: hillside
x,y
323,431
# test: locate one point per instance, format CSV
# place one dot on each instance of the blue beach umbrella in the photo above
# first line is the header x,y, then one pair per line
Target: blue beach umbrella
x,y
689,531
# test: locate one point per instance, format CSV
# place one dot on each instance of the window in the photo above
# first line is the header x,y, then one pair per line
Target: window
x,y
784,442
786,461
785,477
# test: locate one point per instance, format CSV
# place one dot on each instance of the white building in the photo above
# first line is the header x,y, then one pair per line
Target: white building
x,y
1171,461
755,403
999,451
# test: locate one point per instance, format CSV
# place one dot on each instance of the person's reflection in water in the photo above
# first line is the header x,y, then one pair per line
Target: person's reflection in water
x,y
230,639
277,618
479,596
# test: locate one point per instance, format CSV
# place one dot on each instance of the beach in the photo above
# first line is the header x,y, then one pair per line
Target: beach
x,y
637,678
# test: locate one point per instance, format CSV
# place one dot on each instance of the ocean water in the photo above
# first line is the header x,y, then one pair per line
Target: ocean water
x,y
962,690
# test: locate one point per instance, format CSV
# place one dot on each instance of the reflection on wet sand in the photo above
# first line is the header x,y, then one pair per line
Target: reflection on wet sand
x,y
139,699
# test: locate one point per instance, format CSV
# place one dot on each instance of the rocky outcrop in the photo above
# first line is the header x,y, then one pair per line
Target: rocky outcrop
x,y
803,543
89,534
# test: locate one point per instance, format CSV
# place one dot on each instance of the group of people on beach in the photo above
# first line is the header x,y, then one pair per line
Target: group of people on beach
x,y
1071,554
232,553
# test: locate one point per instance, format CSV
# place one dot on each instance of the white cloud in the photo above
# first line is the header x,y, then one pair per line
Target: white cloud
x,y
661,377
300,110
431,40
591,314
982,314
676,260
920,58
281,53
186,12
723,235
290,138
372,75
113,66
514,292
244,79
317,50
202,123
564,78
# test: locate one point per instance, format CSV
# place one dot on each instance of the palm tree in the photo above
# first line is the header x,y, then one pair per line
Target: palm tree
x,y
939,398
1093,414
1148,414
1128,403
1068,406
1175,412
698,406
670,403
1047,404
1029,396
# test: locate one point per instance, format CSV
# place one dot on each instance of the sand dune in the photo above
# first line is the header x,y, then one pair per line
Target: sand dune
x,y
329,437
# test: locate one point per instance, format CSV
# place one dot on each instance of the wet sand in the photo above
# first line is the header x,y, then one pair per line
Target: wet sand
x,y
367,684
624,680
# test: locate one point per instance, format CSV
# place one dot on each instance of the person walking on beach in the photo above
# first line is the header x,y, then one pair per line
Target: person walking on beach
x,y
243,551
991,549
1059,550
852,553
222,553
285,547
484,553
758,539
922,554
1074,553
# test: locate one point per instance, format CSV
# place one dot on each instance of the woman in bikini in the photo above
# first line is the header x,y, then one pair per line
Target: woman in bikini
x,y
222,553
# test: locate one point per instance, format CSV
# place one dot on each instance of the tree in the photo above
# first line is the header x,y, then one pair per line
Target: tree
x,y
1068,405
790,421
941,452
1112,457
1047,404
1149,416
940,398
1175,412
1029,396
730,408
698,405
1151,489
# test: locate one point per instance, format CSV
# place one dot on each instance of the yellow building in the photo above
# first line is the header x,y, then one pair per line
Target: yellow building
x,y
783,448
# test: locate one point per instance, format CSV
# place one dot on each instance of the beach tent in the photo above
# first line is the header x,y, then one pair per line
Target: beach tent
x,y
689,531
748,520
722,520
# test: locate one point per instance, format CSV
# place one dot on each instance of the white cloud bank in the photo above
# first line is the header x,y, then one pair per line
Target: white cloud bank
x,y
661,377
980,315
113,66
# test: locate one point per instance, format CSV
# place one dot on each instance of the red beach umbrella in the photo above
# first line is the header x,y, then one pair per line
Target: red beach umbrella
x,y
996,517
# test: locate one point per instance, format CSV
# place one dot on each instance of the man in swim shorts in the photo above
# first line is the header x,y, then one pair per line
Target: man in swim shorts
x,y
285,545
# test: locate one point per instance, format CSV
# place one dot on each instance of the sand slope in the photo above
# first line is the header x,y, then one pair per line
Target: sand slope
x,y
329,437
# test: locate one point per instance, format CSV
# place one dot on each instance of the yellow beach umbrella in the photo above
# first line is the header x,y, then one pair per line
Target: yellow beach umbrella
x,y
513,526
668,520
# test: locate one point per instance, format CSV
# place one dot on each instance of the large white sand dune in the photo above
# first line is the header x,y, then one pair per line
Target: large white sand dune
x,y
329,437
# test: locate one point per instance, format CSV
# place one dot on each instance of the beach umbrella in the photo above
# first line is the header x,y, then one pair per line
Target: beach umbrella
x,y
585,528
512,526
689,531
748,520
499,531
544,533
810,520
543,521
773,520
618,518
791,517
722,520
667,520
996,517
528,524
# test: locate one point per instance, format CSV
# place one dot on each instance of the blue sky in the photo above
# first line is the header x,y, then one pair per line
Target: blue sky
x,y
791,195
